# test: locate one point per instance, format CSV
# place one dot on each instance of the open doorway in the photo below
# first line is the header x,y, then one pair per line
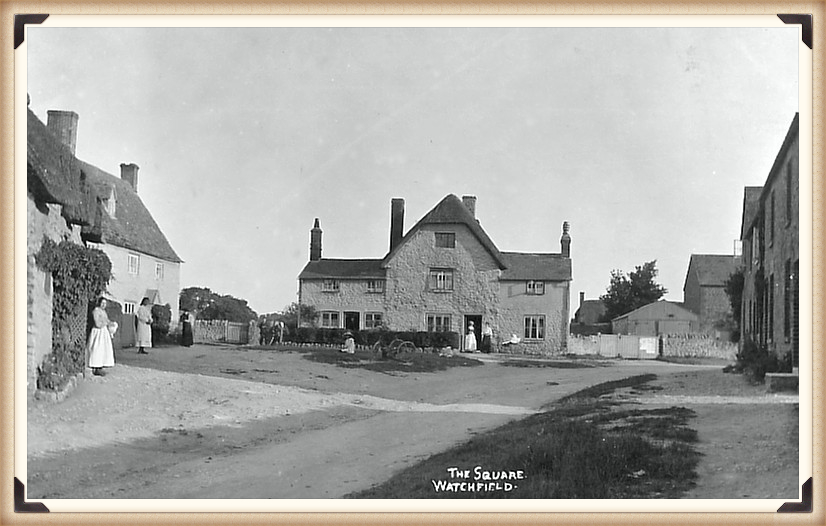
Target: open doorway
x,y
477,328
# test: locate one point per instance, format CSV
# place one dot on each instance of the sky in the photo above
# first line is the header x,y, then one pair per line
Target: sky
x,y
643,139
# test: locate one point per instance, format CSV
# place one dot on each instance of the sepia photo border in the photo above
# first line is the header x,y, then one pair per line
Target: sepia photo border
x,y
171,14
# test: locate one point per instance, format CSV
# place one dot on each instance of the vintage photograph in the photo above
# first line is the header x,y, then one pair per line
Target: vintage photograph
x,y
535,263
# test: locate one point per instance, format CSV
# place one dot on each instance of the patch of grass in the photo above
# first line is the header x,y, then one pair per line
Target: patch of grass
x,y
405,362
608,387
550,364
578,450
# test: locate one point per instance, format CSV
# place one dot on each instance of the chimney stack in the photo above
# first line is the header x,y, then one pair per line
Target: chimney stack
x,y
315,242
581,299
470,203
396,222
566,240
129,173
63,124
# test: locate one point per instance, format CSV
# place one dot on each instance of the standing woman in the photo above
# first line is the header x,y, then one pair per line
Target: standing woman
x,y
487,335
470,338
99,346
144,329
186,328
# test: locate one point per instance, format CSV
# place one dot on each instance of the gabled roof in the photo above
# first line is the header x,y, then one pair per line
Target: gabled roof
x,y
751,204
546,267
590,310
712,270
451,210
132,227
672,306
53,175
343,269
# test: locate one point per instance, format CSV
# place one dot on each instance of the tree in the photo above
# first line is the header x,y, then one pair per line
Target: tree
x,y
625,294
734,290
290,315
211,306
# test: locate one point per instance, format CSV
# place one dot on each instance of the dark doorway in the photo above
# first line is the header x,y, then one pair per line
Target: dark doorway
x,y
477,328
351,321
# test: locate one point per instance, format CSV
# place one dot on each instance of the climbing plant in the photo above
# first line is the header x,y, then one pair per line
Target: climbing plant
x,y
79,275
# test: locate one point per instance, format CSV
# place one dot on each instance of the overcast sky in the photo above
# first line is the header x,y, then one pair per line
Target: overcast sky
x,y
642,139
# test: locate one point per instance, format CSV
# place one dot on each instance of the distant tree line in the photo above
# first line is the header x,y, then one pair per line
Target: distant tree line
x,y
208,305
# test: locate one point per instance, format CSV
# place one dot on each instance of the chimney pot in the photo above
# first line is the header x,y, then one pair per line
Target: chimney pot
x,y
63,124
129,173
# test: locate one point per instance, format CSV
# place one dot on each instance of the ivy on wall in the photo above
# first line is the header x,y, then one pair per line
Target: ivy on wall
x,y
79,275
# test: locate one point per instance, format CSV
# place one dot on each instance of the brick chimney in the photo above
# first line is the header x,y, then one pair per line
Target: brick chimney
x,y
63,125
129,173
566,240
470,203
396,222
581,299
315,242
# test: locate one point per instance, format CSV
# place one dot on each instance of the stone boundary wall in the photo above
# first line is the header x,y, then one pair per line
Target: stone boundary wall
x,y
697,346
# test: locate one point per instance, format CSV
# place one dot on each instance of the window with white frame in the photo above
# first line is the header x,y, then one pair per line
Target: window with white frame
x,y
133,263
535,287
445,240
129,307
330,319
158,270
441,279
375,286
330,285
535,327
438,322
372,320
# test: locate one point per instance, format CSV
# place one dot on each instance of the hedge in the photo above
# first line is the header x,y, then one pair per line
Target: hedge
x,y
369,337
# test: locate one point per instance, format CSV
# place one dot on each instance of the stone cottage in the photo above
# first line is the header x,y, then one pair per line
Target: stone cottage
x,y
60,206
143,262
704,291
441,275
771,254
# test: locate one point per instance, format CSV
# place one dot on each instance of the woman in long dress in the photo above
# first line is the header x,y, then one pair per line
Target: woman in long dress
x,y
487,336
144,328
470,339
186,328
99,347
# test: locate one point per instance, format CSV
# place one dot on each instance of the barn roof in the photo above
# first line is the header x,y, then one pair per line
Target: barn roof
x,y
655,306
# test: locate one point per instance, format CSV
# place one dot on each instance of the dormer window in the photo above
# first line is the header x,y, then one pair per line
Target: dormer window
x,y
110,203
445,240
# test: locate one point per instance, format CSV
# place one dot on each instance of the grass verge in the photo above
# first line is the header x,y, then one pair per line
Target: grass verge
x,y
582,448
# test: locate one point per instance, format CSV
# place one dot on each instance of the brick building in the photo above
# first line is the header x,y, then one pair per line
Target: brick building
x,y
704,292
770,239
444,273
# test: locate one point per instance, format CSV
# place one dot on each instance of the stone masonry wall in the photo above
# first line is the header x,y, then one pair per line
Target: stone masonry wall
x,y
352,296
516,304
41,221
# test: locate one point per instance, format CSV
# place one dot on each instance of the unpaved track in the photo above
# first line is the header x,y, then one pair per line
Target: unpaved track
x,y
297,430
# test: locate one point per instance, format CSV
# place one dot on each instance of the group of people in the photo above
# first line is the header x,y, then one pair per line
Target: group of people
x,y
470,338
99,345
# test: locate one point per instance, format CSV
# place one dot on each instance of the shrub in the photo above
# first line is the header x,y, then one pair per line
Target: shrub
x,y
161,319
757,360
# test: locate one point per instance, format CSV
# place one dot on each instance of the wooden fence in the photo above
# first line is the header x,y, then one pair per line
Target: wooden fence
x,y
221,331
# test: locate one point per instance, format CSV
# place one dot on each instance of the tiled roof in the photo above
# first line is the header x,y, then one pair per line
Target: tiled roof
x,y
451,210
591,311
133,226
712,270
548,267
343,269
53,175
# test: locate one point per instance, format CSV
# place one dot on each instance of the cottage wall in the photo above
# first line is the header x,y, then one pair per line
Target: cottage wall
x,y
554,305
126,287
43,220
715,308
476,286
352,296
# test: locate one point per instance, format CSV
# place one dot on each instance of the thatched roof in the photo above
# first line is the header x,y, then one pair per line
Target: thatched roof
x,y
53,175
132,227
451,210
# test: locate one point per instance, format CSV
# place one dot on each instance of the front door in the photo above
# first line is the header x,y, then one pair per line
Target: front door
x,y
351,321
477,329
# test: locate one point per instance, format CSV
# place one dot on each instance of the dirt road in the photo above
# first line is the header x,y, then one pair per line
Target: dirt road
x,y
290,429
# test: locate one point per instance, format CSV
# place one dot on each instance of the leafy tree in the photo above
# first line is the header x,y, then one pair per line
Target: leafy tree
x,y
625,294
211,306
734,290
290,315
